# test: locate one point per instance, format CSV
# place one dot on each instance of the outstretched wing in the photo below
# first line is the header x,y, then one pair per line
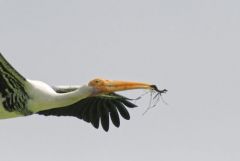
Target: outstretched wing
x,y
95,109
12,86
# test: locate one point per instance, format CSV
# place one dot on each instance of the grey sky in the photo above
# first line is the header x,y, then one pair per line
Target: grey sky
x,y
189,47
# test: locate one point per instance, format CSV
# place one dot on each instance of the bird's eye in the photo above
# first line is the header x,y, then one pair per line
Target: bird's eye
x,y
97,81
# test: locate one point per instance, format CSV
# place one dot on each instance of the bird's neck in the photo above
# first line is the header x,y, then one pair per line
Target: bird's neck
x,y
44,97
66,99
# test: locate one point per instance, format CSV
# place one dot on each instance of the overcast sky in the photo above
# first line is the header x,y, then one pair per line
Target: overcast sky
x,y
189,47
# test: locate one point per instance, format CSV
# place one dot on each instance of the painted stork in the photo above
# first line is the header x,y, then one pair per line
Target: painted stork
x,y
94,103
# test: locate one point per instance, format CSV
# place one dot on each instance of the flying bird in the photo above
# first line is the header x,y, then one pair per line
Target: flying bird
x,y
95,102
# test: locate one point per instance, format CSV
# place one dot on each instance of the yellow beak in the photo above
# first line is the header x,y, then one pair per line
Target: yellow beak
x,y
109,86
113,86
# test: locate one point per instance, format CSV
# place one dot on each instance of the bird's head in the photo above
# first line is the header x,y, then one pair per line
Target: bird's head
x,y
103,86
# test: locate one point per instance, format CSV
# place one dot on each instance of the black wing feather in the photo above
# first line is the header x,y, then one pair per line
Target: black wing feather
x,y
104,112
94,109
114,115
95,114
122,110
86,112
128,103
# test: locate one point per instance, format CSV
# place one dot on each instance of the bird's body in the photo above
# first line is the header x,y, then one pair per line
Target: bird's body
x,y
38,92
93,103
42,97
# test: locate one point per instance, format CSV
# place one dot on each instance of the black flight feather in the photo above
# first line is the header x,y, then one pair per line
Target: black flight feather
x,y
114,115
122,110
95,114
104,112
95,109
